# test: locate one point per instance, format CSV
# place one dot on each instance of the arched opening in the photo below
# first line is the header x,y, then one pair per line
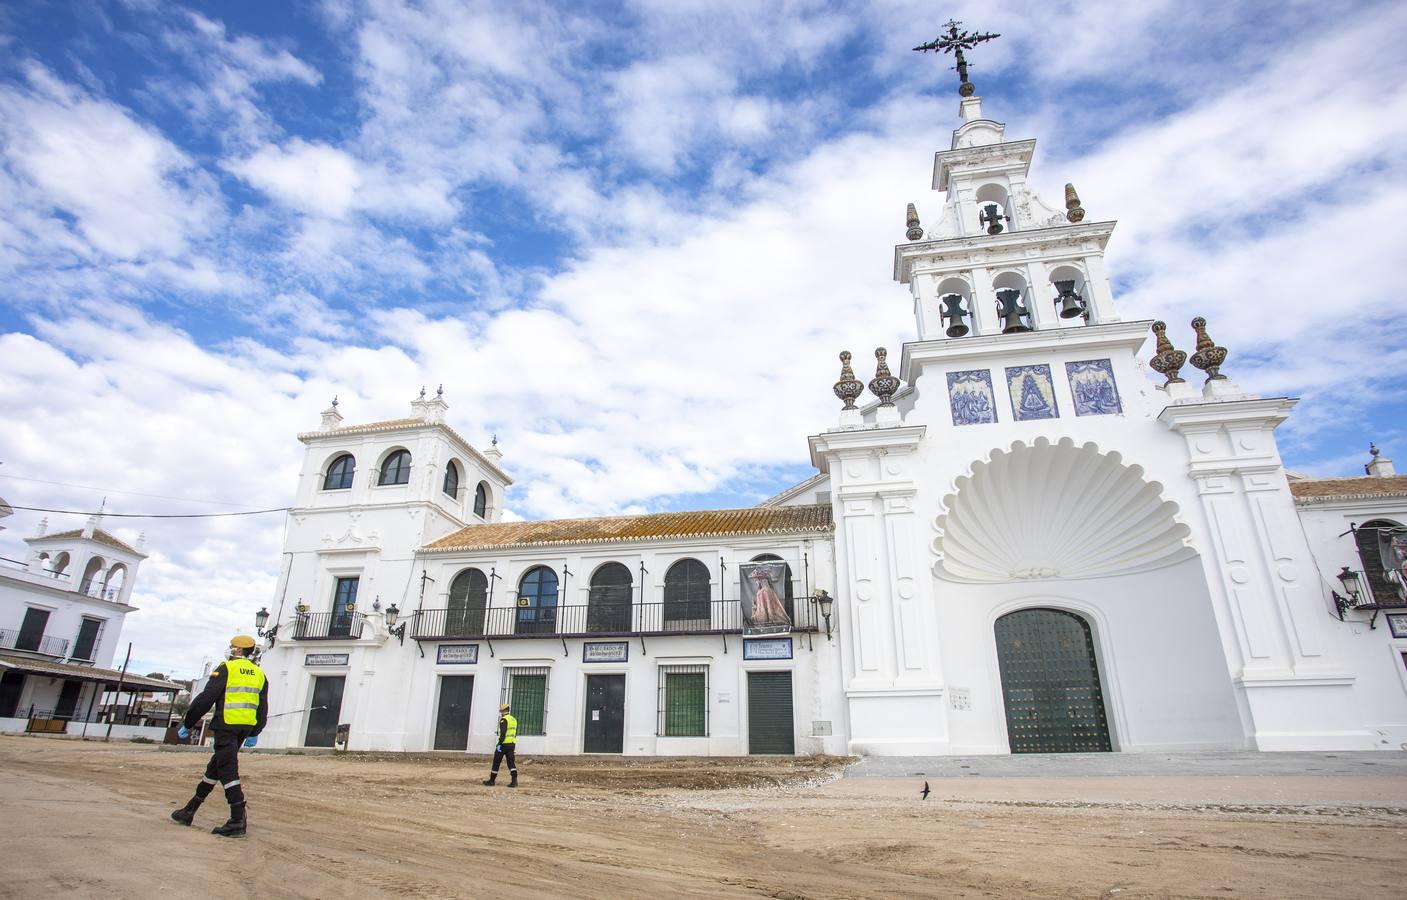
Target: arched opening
x,y
339,473
468,600
788,590
92,575
955,307
994,209
537,602
60,563
1374,539
608,602
395,469
116,577
1071,300
1013,303
1050,683
451,483
686,596
481,500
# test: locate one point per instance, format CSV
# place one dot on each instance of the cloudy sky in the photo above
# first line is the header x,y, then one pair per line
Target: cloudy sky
x,y
622,235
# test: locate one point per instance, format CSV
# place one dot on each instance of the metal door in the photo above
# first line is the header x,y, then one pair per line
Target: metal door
x,y
452,723
1050,682
327,708
769,719
605,714
68,700
11,684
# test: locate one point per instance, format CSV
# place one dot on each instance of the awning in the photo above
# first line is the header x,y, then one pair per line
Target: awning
x,y
109,677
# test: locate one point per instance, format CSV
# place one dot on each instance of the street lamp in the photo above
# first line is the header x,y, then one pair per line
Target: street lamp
x,y
824,601
1352,587
261,618
392,614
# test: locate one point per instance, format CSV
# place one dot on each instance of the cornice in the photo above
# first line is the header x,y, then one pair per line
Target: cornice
x,y
1205,417
1118,335
1014,153
937,252
864,439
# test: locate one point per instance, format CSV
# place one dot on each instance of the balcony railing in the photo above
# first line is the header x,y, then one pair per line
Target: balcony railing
x,y
327,627
11,639
598,620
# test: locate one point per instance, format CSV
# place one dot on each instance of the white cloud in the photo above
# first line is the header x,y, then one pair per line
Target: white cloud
x,y
313,178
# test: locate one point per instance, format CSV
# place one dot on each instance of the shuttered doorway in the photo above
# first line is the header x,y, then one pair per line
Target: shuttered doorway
x,y
769,718
452,720
1050,683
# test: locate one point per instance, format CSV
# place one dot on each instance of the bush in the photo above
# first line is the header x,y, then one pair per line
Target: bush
x,y
141,740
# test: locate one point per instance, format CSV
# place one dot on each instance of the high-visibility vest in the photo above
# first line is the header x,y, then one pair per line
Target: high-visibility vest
x,y
243,682
510,734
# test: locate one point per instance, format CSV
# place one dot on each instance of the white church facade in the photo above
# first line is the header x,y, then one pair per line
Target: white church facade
x,y
1024,544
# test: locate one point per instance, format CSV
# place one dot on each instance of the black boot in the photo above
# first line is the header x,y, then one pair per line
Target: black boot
x,y
186,814
514,782
235,826
488,782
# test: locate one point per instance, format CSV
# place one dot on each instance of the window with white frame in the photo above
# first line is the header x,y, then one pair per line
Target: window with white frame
x,y
525,692
683,701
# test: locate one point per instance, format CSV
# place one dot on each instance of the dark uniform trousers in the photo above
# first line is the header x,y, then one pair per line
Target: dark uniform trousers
x,y
499,753
223,768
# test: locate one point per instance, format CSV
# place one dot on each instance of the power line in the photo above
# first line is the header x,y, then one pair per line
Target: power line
x,y
112,515
87,487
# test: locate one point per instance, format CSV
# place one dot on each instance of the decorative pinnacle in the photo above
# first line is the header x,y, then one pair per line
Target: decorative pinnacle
x,y
848,387
955,42
1073,210
1209,356
883,384
334,401
1373,450
495,440
440,391
915,232
1168,361
422,392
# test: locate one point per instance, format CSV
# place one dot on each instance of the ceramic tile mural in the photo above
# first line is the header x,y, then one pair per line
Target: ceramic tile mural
x,y
1032,393
1093,387
971,397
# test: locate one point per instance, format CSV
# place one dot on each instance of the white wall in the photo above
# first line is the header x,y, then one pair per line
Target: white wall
x,y
67,609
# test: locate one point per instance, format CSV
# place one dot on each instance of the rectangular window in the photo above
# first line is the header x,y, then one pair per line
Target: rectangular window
x,y
683,701
86,647
343,596
525,692
32,629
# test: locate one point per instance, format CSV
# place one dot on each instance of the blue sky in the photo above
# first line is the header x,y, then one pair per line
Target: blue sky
x,y
219,215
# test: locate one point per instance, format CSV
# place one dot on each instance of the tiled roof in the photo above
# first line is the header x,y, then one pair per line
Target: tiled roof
x,y
102,537
83,673
406,425
795,489
1319,490
653,527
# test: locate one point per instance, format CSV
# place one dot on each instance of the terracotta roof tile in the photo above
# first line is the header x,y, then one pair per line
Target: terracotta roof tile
x,y
653,527
1311,490
83,673
102,537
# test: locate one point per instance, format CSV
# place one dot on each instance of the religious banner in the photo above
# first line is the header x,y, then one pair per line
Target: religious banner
x,y
761,589
1392,547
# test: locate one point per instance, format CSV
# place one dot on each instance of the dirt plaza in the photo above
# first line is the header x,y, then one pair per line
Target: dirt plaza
x,y
87,819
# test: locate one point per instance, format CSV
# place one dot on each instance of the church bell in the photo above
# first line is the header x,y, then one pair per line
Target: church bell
x,y
1071,304
953,312
1011,311
992,218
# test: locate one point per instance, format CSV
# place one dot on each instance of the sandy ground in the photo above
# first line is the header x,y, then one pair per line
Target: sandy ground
x,y
90,820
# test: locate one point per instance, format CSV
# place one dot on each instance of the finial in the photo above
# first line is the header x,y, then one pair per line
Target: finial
x,y
1073,210
440,391
1168,361
422,392
494,441
884,384
1209,356
915,233
334,401
848,387
1373,450
955,42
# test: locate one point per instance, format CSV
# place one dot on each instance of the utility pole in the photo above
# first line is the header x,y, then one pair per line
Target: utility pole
x,y
120,679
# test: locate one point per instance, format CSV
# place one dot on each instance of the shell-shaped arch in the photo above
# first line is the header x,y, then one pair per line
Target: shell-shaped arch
x,y
1059,510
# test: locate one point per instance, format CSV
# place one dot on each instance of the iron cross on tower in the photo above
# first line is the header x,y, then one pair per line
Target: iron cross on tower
x,y
955,42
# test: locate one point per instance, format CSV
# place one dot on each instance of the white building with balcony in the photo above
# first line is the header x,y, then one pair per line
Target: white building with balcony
x,y
61,615
1030,545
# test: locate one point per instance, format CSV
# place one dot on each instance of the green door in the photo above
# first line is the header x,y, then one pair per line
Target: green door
x,y
769,722
1050,682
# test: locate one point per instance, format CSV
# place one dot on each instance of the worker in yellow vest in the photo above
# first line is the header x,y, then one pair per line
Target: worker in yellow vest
x,y
239,692
507,743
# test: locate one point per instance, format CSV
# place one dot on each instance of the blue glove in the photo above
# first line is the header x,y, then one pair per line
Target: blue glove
x,y
183,733
250,741
497,748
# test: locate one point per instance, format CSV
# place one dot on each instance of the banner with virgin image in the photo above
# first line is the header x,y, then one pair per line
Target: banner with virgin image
x,y
762,586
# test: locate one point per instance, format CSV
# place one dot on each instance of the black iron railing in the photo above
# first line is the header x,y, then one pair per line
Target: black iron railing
x,y
327,627
12,639
598,620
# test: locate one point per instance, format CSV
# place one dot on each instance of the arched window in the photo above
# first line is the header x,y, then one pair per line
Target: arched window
x,y
608,604
60,563
686,596
116,576
787,595
481,500
92,575
396,468
468,599
1372,539
451,485
339,474
537,602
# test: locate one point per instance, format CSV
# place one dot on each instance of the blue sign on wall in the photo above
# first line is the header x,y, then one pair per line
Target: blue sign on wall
x,y
605,651
767,648
457,654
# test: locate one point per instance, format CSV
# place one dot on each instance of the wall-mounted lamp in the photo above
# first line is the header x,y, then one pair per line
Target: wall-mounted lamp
x,y
392,614
824,601
1351,585
261,618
